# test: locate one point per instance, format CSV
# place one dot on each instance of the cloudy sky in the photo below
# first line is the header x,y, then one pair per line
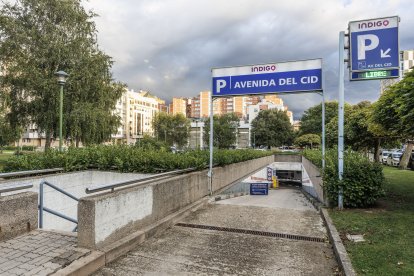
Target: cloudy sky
x,y
168,47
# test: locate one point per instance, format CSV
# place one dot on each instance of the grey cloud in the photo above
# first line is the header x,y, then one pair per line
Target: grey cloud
x,y
169,46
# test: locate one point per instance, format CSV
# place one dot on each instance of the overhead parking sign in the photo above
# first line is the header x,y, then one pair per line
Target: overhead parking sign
x,y
374,47
285,77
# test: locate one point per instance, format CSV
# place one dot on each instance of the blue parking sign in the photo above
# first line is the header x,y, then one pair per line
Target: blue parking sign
x,y
374,44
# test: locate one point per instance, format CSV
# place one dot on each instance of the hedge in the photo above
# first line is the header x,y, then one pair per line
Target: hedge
x,y
126,159
362,180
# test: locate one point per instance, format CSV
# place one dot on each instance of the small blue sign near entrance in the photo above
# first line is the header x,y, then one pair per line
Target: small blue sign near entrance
x,y
269,173
286,77
374,44
259,188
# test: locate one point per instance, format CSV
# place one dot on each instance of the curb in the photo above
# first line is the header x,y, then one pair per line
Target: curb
x,y
339,248
227,196
98,259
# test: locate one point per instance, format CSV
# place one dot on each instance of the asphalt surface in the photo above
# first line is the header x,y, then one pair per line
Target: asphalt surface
x,y
193,251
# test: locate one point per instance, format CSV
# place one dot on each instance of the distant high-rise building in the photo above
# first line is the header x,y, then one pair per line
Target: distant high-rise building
x,y
179,106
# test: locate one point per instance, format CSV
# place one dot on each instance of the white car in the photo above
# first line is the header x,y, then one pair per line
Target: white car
x,y
383,156
394,158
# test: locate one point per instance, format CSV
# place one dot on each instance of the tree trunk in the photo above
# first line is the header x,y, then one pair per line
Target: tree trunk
x,y
48,140
77,142
406,156
377,150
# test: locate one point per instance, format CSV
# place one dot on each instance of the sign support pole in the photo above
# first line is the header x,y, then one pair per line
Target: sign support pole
x,y
210,172
341,118
323,122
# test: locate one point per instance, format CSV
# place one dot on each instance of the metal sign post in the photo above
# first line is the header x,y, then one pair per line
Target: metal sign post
x,y
374,54
210,172
341,117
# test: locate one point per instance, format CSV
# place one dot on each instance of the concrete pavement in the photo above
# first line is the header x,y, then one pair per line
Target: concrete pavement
x,y
193,251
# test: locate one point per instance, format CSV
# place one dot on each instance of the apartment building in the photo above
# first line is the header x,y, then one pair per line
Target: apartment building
x,y
179,106
253,110
137,111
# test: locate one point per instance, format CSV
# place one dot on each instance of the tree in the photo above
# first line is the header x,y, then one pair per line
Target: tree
x,y
308,140
311,121
40,37
8,132
225,130
172,129
272,128
394,111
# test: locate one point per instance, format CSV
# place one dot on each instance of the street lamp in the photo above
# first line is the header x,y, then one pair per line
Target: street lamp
x,y
61,78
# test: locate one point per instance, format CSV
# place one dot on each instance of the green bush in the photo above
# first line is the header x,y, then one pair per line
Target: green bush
x,y
362,179
23,148
126,159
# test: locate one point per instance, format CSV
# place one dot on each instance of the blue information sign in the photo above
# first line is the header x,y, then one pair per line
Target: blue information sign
x,y
287,77
259,188
374,44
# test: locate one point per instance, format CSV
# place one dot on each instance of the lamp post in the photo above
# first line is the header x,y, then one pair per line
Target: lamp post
x,y
61,78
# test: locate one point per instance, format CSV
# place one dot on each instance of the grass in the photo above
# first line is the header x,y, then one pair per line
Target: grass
x,y
388,229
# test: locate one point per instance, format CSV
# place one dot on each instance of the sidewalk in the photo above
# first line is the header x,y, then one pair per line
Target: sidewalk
x,y
39,253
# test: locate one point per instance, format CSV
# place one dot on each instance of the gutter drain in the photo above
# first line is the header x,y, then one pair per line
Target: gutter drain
x,y
253,232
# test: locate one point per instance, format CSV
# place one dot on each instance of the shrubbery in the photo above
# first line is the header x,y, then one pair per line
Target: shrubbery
x,y
23,148
127,159
362,179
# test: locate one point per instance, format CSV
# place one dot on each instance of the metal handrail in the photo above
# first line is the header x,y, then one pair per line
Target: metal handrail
x,y
11,188
26,173
43,208
135,181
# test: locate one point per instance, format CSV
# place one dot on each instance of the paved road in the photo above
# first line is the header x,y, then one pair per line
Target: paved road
x,y
194,251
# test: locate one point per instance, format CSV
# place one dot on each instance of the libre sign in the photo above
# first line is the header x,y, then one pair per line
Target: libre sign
x,y
374,47
295,76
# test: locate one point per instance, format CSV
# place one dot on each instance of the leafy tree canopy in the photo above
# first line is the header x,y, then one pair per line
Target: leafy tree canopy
x,y
394,111
311,121
308,140
225,130
40,37
272,128
172,129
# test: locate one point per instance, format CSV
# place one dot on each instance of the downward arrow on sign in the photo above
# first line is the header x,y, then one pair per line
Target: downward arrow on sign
x,y
385,54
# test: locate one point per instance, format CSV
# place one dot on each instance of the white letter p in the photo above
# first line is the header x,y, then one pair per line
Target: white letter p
x,y
362,48
220,84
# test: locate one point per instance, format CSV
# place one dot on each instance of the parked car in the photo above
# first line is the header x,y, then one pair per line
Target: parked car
x,y
383,156
394,158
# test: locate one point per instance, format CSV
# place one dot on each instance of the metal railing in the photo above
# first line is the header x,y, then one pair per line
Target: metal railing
x,y
136,181
27,173
10,188
56,213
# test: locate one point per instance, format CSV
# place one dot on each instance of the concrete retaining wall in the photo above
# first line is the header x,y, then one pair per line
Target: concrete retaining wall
x,y
18,214
288,158
106,218
75,184
316,178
